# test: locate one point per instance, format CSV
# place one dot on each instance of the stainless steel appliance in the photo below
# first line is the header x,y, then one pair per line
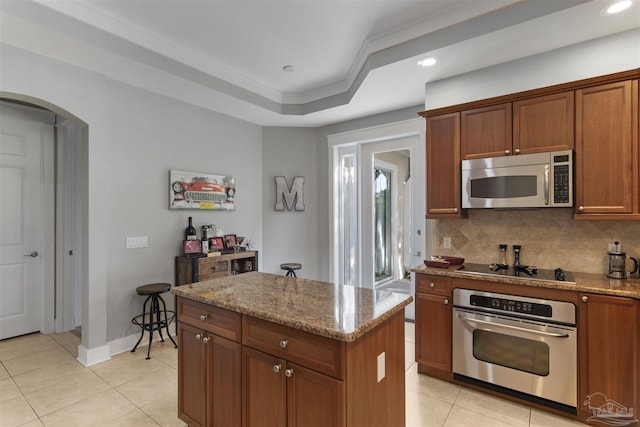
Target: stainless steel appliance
x,y
517,345
524,181
618,264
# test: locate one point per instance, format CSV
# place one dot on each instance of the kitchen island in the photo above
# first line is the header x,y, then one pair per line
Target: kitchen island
x,y
266,350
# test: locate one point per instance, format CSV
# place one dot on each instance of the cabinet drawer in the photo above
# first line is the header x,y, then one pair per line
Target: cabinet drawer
x,y
438,285
312,351
210,268
216,320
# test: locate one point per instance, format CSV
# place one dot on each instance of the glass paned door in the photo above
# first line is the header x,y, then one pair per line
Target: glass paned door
x,y
382,225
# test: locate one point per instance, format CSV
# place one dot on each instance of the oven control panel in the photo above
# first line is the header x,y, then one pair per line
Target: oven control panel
x,y
512,306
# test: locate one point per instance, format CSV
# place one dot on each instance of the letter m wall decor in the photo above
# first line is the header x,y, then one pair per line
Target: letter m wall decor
x,y
287,195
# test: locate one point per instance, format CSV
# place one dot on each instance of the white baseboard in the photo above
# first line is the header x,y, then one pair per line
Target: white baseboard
x,y
103,353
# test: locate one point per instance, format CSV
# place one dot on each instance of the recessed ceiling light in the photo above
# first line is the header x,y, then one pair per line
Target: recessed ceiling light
x,y
288,68
428,61
618,6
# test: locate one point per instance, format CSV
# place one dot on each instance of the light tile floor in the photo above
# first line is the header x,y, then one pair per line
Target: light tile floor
x,y
41,383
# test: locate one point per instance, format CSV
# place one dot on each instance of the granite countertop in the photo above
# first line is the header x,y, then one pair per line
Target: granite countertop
x,y
584,282
343,313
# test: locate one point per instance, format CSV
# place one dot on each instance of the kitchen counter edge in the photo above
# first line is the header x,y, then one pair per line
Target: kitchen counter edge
x,y
585,282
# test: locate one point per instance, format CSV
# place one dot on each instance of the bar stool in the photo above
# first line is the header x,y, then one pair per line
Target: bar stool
x,y
146,320
291,267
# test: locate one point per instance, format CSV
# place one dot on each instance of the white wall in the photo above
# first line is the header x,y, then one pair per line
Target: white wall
x,y
291,236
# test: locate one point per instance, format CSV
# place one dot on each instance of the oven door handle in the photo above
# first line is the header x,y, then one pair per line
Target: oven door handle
x,y
517,328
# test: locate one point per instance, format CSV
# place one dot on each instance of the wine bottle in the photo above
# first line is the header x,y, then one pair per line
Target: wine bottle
x,y
190,231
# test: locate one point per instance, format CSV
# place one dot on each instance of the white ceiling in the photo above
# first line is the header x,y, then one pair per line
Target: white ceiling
x,y
352,58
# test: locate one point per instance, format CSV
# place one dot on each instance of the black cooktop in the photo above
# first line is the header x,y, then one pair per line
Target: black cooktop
x,y
523,272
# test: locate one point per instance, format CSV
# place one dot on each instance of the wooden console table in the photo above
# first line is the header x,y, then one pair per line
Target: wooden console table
x,y
196,268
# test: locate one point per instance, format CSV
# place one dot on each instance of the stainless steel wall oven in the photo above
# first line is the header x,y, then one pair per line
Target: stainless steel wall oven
x,y
520,346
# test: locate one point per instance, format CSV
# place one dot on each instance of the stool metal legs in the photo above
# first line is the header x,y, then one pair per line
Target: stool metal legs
x,y
151,325
291,273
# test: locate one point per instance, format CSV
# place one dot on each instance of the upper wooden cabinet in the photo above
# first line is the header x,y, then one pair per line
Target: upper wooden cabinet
x,y
544,123
607,151
486,132
443,167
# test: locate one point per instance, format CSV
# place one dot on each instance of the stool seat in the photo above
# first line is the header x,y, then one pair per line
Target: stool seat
x,y
151,320
291,267
153,288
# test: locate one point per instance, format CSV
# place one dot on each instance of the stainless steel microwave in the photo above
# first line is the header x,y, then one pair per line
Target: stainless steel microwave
x,y
539,180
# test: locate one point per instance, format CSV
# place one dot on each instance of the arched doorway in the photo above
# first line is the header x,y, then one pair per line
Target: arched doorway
x,y
62,228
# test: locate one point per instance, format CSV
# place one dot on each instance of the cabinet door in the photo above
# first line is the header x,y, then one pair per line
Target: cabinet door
x,y
433,331
606,172
486,132
225,396
192,376
443,166
544,123
314,399
609,352
264,392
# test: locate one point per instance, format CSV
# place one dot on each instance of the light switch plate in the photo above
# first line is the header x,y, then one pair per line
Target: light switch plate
x,y
446,242
137,242
381,366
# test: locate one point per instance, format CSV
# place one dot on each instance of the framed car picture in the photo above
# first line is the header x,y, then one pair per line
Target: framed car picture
x,y
195,190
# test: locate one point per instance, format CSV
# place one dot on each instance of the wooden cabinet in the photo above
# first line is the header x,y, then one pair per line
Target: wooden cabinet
x,y
544,123
609,352
433,325
443,167
607,151
289,366
191,269
209,365
278,393
486,132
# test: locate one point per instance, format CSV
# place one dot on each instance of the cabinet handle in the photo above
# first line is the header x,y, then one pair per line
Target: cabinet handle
x,y
455,210
432,285
516,151
580,208
276,368
283,344
446,301
198,337
288,373
585,298
203,317
507,152
205,340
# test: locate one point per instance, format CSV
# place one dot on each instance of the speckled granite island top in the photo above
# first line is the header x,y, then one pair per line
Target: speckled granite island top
x,y
584,282
343,313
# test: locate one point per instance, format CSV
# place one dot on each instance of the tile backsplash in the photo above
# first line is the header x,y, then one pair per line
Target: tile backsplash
x,y
550,238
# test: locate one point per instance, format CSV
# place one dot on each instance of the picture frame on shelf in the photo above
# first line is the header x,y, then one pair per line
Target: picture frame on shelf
x,y
230,241
216,244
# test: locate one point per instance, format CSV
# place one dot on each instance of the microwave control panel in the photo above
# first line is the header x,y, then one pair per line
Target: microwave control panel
x,y
561,184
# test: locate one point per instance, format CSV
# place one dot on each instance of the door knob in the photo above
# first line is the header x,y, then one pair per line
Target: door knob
x,y
32,254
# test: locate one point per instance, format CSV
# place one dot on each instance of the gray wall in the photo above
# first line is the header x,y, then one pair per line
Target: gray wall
x,y
134,138
291,236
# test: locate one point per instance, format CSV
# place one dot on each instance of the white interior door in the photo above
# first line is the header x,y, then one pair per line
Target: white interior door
x,y
22,219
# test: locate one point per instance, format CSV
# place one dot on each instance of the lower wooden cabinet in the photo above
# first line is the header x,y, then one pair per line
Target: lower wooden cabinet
x,y
609,335
278,393
433,325
208,378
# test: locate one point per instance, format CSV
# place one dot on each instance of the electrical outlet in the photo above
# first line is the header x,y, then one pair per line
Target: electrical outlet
x,y
381,366
137,242
446,242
